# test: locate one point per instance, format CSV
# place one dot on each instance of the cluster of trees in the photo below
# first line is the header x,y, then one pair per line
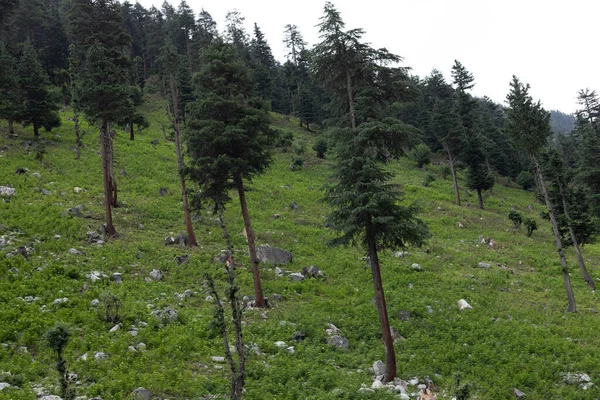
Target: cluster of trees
x,y
99,56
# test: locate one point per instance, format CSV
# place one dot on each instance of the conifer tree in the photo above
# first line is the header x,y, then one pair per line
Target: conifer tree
x,y
74,90
263,64
588,163
39,108
228,135
528,127
10,90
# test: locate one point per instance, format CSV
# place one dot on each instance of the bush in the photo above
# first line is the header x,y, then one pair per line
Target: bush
x,y
110,304
428,179
531,226
284,140
298,148
525,180
297,164
516,218
445,171
421,154
320,147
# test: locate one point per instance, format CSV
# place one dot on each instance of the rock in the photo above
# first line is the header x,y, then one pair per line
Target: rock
x,y
117,277
133,332
115,328
74,252
4,385
377,385
6,191
182,259
378,368
156,274
218,359
294,206
404,315
484,265
166,315
273,255
23,251
276,216
463,305
430,309
222,257
278,271
299,336
60,300
188,293
400,254
415,267
180,239
163,191
280,344
21,170
315,272
95,303
50,397
141,346
518,393
122,172
404,396
338,341
93,236
46,192
209,299
395,334
94,276
460,225
291,350
100,356
77,211
332,329
78,190
141,394
364,390
296,276
277,297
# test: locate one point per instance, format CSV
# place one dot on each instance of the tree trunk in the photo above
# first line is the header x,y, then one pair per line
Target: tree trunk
x,y
480,198
131,134
453,170
36,131
106,169
390,355
258,293
350,98
586,276
11,128
192,242
559,247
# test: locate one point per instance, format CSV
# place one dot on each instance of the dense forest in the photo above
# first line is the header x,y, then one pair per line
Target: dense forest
x,y
101,59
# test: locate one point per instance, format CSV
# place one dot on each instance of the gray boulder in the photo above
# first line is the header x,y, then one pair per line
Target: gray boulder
x,y
141,394
273,255
484,265
166,315
378,368
156,274
7,191
338,341
297,277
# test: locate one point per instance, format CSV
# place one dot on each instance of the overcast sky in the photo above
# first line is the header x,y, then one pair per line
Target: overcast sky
x,y
548,44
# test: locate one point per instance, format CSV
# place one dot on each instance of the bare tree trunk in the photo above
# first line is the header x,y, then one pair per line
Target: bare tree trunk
x,y
451,161
390,355
106,169
559,247
586,276
480,198
131,134
192,242
258,293
11,128
350,98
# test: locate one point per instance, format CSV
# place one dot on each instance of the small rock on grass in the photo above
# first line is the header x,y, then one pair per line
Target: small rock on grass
x,y
463,305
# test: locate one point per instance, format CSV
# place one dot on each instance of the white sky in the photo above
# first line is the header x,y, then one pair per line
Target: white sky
x,y
549,44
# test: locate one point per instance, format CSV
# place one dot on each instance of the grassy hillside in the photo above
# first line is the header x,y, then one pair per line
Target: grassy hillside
x,y
517,335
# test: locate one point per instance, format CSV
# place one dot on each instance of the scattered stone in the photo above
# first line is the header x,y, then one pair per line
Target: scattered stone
x,y
182,259
365,390
280,344
163,191
518,394
180,239
77,211
4,385
209,299
132,349
332,329
141,394
115,328
60,300
156,274
46,192
23,251
141,346
463,305
460,225
377,384
313,272
278,271
93,236
223,256
78,190
36,175
166,315
133,332
378,368
95,303
294,206
218,359
188,293
274,255
6,191
276,216
299,336
395,334
21,170
484,265
122,172
338,341
94,276
117,277
430,309
75,252
50,397
404,315
277,297
297,277
400,254
100,356
416,267
291,350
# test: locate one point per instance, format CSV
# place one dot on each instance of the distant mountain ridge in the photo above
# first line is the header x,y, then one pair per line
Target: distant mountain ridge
x,y
561,123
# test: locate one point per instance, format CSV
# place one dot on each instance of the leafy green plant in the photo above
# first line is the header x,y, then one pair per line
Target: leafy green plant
x,y
110,305
525,180
445,171
428,179
516,218
297,163
421,154
531,226
57,339
320,147
298,148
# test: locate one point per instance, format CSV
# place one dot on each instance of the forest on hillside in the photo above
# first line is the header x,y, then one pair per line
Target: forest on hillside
x,y
102,58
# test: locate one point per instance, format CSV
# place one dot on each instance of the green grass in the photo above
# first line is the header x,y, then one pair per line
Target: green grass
x,y
517,334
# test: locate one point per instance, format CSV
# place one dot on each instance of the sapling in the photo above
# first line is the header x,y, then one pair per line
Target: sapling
x,y
57,339
516,218
531,226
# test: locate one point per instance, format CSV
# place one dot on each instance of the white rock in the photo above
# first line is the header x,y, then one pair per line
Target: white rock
x,y
296,276
413,382
484,265
50,397
280,344
84,357
291,349
415,267
77,189
463,305
378,367
404,396
115,328
278,271
132,349
209,299
156,274
365,390
218,359
100,356
60,300
95,302
4,385
377,385
141,346
94,276
332,330
6,191
74,252
133,333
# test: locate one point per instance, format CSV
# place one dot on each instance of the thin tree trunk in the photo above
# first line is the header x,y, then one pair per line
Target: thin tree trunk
x,y
350,98
36,131
192,242
11,128
131,133
390,355
559,247
106,159
453,170
586,276
258,293
480,198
